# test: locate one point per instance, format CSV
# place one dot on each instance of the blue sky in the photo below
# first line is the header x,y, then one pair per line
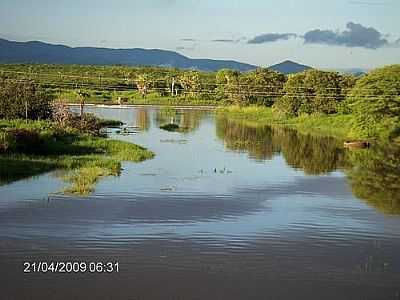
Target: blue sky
x,y
326,34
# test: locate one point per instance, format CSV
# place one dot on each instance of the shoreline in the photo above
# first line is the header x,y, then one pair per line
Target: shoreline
x,y
186,107
43,146
258,116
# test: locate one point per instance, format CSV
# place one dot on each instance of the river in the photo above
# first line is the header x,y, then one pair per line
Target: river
x,y
225,210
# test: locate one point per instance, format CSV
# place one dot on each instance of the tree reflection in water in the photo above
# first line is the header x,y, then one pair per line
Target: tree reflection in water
x,y
187,120
374,174
142,118
314,155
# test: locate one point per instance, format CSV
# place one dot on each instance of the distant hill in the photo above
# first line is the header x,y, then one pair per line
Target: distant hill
x,y
353,71
289,67
39,52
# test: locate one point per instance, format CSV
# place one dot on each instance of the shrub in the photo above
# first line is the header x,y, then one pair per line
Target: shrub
x,y
61,114
23,140
21,98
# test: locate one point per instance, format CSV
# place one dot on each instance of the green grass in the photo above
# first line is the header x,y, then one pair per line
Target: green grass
x,y
134,98
335,125
83,180
87,158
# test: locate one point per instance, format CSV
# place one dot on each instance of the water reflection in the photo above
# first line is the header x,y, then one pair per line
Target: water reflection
x,y
187,120
142,118
283,218
23,168
313,154
373,174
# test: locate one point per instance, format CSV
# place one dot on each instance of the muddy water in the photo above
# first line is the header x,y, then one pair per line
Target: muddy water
x,y
225,210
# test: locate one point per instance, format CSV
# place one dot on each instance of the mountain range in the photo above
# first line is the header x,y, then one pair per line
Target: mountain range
x,y
44,53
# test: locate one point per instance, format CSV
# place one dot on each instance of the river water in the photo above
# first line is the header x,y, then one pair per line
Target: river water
x,y
225,210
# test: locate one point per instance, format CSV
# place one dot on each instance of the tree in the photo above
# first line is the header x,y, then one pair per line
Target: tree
x,y
24,99
227,84
375,102
143,82
262,87
190,82
81,95
314,91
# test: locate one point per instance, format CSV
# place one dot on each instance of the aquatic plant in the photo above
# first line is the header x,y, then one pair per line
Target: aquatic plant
x,y
170,127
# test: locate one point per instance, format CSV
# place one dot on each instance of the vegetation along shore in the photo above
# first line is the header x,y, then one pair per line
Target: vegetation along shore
x,y
46,136
355,107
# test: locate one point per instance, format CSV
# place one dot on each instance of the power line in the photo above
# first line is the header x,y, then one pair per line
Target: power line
x,y
207,91
167,82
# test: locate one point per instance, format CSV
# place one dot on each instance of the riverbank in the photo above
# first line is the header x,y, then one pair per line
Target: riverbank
x,y
136,99
335,125
119,106
30,148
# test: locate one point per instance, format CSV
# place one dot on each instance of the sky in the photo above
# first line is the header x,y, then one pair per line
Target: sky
x,y
325,34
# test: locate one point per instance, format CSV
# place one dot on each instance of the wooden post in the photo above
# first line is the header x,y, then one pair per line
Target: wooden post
x,y
26,110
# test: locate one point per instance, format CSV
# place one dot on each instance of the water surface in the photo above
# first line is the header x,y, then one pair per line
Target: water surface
x,y
225,210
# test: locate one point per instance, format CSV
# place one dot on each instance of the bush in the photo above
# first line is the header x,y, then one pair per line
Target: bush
x,y
88,123
23,140
20,97
61,113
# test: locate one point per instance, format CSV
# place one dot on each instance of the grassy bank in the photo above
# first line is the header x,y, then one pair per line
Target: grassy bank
x,y
134,98
329,125
36,147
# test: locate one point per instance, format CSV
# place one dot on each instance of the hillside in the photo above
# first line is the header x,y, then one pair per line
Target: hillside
x,y
43,53
289,67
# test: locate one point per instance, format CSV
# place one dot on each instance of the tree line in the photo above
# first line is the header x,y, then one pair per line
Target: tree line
x,y
373,99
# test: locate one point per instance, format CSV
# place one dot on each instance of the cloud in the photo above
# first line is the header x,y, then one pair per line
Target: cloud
x,y
369,3
356,35
271,37
235,41
224,41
